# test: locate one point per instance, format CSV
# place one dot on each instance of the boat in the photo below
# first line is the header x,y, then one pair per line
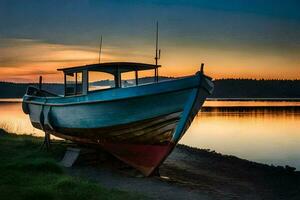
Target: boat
x,y
139,124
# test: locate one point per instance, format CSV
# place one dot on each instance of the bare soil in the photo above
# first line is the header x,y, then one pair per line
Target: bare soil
x,y
190,173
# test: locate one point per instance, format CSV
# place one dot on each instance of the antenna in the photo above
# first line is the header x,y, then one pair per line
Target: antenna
x,y
100,49
157,53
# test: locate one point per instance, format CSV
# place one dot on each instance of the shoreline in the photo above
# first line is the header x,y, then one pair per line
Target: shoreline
x,y
188,173
255,99
27,172
275,99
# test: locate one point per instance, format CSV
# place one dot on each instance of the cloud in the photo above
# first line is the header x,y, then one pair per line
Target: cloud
x,y
22,59
18,52
25,58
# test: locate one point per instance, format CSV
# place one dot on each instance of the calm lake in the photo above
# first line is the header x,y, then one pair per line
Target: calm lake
x,y
266,132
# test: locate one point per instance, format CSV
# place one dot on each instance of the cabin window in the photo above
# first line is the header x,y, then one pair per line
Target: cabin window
x,y
128,79
73,84
146,77
100,81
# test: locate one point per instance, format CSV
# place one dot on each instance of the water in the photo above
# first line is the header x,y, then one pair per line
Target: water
x,y
266,132
13,120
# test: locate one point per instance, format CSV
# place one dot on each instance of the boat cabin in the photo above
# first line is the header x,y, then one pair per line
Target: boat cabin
x,y
78,80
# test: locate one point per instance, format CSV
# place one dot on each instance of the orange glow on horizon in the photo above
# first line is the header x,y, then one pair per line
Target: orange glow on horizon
x,y
25,60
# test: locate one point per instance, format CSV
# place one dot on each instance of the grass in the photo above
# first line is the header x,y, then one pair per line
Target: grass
x,y
26,172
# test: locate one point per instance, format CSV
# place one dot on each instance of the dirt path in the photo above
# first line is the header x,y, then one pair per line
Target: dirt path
x,y
150,187
199,174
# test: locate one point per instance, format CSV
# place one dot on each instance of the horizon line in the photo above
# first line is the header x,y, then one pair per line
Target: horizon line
x,y
218,79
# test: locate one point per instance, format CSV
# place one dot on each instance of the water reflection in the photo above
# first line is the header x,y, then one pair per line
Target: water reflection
x,y
13,120
268,134
256,104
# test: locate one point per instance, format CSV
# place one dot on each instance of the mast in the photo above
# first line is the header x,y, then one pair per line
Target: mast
x,y
157,54
156,49
100,49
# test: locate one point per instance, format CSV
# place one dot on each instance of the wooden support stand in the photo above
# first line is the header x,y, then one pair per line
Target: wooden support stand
x,y
47,141
70,157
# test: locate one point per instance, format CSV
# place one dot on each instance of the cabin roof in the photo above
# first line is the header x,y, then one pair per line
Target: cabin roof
x,y
111,67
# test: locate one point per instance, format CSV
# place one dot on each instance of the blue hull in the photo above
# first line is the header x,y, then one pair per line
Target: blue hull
x,y
155,114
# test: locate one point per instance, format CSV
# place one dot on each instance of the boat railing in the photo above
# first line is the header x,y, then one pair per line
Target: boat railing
x,y
34,91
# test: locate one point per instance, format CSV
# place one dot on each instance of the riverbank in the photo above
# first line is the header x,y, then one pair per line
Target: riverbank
x,y
29,173
188,173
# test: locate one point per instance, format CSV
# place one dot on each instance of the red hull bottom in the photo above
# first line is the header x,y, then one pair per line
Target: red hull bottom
x,y
145,158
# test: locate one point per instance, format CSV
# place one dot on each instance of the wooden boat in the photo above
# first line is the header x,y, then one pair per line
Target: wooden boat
x,y
140,125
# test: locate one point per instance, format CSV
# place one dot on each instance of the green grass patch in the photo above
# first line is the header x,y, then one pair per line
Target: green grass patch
x,y
27,172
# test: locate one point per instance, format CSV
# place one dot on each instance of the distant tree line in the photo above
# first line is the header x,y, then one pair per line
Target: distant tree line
x,y
224,88
17,90
249,88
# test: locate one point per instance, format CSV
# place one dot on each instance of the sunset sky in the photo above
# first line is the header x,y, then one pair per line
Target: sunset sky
x,y
234,38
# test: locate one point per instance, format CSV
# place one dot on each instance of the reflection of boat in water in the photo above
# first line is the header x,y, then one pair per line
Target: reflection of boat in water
x,y
140,125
